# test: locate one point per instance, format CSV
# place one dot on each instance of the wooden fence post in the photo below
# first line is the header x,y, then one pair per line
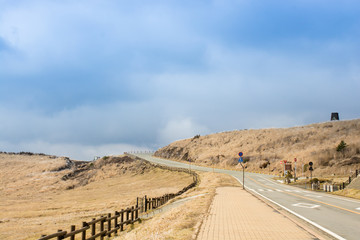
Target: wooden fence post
x,y
122,220
93,228
83,235
60,237
102,228
109,224
132,214
146,202
116,221
71,230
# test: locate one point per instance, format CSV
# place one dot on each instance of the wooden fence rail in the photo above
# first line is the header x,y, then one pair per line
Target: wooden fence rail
x,y
105,226
101,227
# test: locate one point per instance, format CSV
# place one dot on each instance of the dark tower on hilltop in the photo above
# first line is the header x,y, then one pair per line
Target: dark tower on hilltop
x,y
334,116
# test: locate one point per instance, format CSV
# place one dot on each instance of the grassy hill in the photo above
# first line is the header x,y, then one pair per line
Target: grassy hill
x,y
40,194
264,148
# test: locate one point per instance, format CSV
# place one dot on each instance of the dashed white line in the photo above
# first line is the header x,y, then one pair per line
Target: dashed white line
x,y
311,195
305,205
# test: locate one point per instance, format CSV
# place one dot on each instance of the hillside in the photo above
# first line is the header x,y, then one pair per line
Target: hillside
x,y
40,194
264,148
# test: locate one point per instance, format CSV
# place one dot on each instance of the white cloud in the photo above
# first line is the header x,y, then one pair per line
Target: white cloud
x,y
160,71
180,129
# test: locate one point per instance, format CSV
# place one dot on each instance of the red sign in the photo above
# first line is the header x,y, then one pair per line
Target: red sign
x,y
285,161
295,159
280,162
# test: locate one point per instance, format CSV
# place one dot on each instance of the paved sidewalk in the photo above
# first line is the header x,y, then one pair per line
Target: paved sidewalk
x,y
236,214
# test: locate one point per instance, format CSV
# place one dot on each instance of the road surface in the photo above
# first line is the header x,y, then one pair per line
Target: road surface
x,y
337,216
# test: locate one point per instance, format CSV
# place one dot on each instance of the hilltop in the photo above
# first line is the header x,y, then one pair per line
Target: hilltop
x,y
264,148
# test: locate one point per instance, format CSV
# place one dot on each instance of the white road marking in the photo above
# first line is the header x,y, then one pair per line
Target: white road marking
x,y
298,215
288,190
358,208
261,190
270,190
305,205
311,195
279,190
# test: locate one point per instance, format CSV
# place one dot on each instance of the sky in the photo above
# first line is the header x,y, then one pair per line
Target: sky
x,y
91,78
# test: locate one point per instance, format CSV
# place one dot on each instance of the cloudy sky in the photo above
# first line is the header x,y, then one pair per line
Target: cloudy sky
x,y
93,77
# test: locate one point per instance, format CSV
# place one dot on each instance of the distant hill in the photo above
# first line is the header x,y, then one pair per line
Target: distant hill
x,y
264,148
34,172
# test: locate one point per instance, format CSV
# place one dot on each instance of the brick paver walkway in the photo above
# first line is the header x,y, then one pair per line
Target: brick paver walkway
x,y
236,214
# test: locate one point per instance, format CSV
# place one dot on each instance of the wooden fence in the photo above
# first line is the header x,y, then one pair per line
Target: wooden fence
x,y
352,177
106,226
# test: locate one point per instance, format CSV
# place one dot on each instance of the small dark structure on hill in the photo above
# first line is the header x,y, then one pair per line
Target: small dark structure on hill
x,y
334,116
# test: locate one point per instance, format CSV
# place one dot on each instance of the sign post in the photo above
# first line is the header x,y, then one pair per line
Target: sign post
x,y
295,170
311,169
241,161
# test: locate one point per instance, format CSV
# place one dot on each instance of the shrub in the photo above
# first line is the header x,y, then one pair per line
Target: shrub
x,y
306,167
246,159
196,136
341,147
314,180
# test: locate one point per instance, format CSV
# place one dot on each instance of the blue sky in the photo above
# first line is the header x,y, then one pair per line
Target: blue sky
x,y
86,78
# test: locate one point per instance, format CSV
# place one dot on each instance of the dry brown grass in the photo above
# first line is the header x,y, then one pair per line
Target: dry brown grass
x,y
34,200
315,142
352,193
183,221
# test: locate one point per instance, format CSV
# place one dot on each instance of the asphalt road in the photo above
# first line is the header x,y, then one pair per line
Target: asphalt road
x,y
338,216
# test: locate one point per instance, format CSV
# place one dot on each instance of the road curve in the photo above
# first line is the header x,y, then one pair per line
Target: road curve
x,y
338,216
